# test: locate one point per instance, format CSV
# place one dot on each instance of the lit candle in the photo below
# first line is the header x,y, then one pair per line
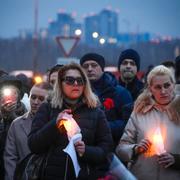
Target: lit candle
x,y
158,142
72,129
70,125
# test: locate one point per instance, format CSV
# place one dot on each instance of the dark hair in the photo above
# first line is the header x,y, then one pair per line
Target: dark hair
x,y
169,64
8,80
2,72
177,69
43,85
26,84
53,69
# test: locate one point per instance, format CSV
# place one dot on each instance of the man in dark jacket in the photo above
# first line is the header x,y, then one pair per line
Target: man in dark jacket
x,y
128,66
114,98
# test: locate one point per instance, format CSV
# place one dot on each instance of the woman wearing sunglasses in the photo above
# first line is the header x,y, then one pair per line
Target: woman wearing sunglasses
x,y
151,141
72,96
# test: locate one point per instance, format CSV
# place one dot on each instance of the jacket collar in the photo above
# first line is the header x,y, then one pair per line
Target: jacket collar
x,y
26,122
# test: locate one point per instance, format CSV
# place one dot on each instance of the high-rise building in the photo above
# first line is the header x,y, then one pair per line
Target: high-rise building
x,y
91,25
105,24
65,25
108,23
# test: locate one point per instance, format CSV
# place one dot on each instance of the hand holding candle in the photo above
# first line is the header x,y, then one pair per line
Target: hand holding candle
x,y
166,159
80,147
73,132
60,121
70,125
9,99
142,147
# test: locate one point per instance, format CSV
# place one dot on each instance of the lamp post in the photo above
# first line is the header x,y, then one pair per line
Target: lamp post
x,y
35,37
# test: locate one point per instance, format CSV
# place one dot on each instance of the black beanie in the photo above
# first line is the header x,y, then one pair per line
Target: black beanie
x,y
94,57
7,80
129,54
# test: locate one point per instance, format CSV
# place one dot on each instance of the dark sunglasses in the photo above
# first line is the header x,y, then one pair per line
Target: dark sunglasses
x,y
34,97
71,80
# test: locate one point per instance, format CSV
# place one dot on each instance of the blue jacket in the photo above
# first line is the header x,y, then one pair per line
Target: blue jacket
x,y
116,102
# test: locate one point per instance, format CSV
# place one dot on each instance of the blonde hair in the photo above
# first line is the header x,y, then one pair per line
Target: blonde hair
x,y
159,70
145,100
89,97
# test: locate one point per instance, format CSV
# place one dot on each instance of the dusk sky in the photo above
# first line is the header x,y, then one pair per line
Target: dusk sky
x,y
154,16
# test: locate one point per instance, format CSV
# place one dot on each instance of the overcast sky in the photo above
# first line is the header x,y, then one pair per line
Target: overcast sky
x,y
154,16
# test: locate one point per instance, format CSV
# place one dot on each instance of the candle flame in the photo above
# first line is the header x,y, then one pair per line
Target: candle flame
x,y
70,125
158,142
157,138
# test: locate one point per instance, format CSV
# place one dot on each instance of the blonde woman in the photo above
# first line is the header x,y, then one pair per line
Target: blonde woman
x,y
72,95
150,144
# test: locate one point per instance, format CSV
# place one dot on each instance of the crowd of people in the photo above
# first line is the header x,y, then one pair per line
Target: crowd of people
x,y
81,114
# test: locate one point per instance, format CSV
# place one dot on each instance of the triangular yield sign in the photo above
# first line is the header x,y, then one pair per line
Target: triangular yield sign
x,y
67,44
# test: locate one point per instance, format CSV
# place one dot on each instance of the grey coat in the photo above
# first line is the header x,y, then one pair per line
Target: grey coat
x,y
16,147
142,126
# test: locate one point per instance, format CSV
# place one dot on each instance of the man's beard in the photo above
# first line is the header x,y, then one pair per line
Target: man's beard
x,y
128,76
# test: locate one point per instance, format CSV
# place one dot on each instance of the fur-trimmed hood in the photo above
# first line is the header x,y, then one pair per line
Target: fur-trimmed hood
x,y
145,103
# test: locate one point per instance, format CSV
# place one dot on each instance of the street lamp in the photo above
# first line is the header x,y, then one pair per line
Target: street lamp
x,y
95,35
78,32
102,40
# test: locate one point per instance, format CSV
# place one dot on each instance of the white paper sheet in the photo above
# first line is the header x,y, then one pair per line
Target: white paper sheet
x,y
70,149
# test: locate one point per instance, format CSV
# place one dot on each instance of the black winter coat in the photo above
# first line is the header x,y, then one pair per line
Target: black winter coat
x,y
6,119
135,87
95,134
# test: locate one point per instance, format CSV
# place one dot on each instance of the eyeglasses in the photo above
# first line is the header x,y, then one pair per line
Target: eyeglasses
x,y
165,86
34,97
71,80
